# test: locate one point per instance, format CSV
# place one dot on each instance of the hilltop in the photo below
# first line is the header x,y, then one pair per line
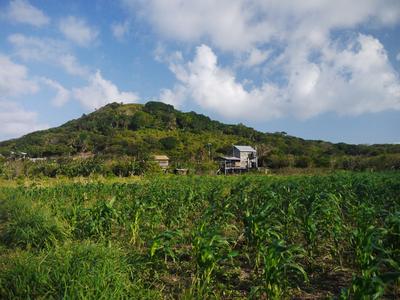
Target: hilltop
x,y
139,130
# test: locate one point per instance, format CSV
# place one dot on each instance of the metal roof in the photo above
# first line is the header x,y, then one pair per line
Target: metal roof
x,y
245,148
161,157
230,158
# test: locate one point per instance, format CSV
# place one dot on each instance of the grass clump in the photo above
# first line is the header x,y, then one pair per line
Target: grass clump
x,y
73,271
30,226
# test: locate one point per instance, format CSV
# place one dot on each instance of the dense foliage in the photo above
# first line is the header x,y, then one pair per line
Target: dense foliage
x,y
203,237
138,131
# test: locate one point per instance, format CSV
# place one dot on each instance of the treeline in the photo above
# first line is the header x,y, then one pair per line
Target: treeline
x,y
346,162
75,168
126,166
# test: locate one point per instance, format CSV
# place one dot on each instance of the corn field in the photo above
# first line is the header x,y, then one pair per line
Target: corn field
x,y
241,237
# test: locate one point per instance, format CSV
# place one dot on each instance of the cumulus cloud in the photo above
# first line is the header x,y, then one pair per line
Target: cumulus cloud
x,y
306,69
215,88
238,25
78,31
352,80
227,23
100,91
16,121
15,82
14,79
21,11
47,50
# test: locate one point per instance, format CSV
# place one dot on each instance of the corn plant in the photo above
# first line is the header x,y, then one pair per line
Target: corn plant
x,y
98,220
134,227
164,245
260,225
209,249
370,257
280,267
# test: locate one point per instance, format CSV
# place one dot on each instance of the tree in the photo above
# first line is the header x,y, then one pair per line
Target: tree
x,y
169,142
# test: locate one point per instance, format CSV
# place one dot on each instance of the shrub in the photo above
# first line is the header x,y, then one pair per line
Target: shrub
x,y
302,162
277,161
169,142
322,162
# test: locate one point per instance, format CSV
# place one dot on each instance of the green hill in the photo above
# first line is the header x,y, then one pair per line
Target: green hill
x,y
137,131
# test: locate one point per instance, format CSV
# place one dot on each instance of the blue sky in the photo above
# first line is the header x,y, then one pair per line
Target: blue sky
x,y
323,69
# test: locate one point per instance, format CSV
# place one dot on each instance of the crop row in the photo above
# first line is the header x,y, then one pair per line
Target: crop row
x,y
203,237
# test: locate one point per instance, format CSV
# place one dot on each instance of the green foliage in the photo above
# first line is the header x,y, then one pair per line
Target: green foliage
x,y
209,249
71,271
30,226
169,142
97,220
276,161
137,130
302,162
279,267
141,120
202,237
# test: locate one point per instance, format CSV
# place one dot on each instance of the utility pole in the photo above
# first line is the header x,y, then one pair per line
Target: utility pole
x,y
209,150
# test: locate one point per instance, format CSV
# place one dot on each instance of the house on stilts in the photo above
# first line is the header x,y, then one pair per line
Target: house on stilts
x,y
243,159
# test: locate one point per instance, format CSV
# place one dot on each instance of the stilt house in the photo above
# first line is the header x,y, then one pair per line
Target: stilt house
x,y
244,158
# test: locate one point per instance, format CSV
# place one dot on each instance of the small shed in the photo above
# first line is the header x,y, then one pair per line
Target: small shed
x,y
162,160
180,171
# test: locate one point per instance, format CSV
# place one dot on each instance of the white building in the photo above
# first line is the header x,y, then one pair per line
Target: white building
x,y
243,158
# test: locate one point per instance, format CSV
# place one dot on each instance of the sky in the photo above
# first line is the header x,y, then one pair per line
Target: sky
x,y
316,69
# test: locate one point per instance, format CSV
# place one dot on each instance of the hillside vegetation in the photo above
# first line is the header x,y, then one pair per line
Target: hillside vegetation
x,y
135,131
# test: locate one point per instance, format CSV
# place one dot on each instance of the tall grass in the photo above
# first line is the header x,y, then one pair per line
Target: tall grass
x,y
28,225
71,271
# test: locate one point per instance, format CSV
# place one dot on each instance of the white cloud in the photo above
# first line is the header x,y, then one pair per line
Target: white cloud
x,y
62,94
14,82
14,79
78,31
22,11
354,80
227,23
217,89
176,97
100,91
16,121
307,70
72,66
120,30
256,57
239,25
47,50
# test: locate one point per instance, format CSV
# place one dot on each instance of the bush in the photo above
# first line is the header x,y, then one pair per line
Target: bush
x,y
302,162
322,161
277,161
48,169
169,142
124,168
